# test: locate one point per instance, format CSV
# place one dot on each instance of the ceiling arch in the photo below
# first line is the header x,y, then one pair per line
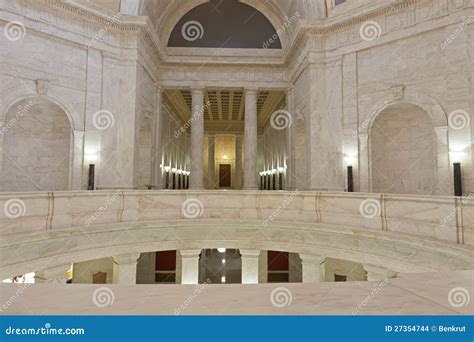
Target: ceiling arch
x,y
224,24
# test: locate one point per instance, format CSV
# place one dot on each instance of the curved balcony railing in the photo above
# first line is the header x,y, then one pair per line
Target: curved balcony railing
x,y
403,233
449,219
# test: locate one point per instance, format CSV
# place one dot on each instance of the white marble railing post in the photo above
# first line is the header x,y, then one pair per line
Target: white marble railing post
x,y
313,268
156,171
250,261
196,180
53,275
364,163
190,266
125,268
250,140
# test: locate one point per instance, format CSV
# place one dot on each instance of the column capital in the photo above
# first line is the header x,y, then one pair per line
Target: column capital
x,y
78,134
251,90
250,253
198,89
313,259
441,129
124,259
190,253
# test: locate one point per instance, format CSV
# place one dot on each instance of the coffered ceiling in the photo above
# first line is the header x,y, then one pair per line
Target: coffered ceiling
x,y
226,111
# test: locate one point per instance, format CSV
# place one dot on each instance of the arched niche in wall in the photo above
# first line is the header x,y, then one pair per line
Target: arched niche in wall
x,y
224,24
403,151
36,152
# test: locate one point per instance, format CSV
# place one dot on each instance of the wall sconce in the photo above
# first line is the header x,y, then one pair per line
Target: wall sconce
x,y
350,179
91,158
224,157
457,179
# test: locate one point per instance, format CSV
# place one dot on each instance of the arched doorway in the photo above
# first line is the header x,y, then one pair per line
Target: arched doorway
x,y
402,148
36,147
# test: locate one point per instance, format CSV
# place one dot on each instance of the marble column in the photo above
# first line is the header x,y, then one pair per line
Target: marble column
x,y
77,160
263,267
190,266
125,268
378,273
250,139
313,268
250,261
53,275
238,161
364,175
211,174
197,139
290,143
156,132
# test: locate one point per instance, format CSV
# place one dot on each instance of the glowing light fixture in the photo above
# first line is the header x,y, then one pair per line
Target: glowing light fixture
x,y
223,279
221,250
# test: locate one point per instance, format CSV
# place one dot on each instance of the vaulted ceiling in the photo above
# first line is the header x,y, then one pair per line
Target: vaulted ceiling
x,y
226,111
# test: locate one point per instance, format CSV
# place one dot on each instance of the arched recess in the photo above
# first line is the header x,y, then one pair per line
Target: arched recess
x,y
175,12
402,151
401,96
37,146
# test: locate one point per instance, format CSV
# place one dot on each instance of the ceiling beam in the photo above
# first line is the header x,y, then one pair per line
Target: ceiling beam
x,y
219,104
231,104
